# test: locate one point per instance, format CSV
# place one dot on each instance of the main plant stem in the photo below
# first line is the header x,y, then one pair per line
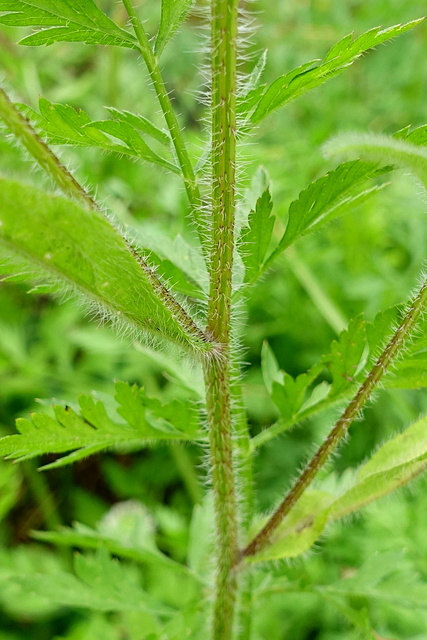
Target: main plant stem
x,y
218,370
391,351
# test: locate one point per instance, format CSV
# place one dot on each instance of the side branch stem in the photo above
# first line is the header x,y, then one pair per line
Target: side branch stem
x,y
152,64
389,354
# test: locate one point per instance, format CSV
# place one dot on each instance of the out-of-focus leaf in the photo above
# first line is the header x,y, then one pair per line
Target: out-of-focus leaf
x,y
100,584
126,530
410,154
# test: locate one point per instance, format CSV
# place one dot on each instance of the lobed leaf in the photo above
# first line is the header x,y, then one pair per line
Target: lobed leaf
x,y
64,125
62,20
91,429
63,241
173,15
310,75
328,198
255,240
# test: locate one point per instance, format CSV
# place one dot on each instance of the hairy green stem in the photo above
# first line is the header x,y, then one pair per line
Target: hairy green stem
x,y
152,64
62,177
218,370
390,353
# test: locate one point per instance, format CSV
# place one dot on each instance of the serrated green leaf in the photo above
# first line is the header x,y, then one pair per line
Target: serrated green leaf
x,y
255,240
310,75
414,136
405,153
297,399
67,243
62,20
328,198
91,429
64,125
174,12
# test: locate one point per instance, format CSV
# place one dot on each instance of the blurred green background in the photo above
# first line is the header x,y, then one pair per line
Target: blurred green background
x,y
364,262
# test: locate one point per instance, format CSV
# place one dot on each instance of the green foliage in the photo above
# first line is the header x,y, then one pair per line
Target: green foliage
x,y
91,430
157,552
255,240
326,199
66,250
64,125
394,464
309,75
174,13
81,21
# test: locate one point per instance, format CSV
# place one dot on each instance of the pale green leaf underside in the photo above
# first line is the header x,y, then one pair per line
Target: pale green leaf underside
x,y
64,20
326,199
145,421
64,125
409,153
394,464
81,249
312,74
174,13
